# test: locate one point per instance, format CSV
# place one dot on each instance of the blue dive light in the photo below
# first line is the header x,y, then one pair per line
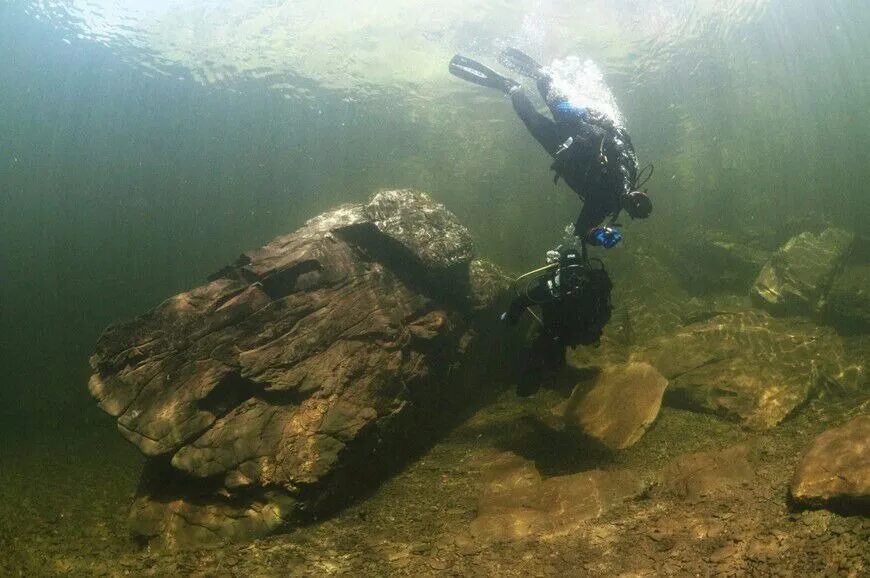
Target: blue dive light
x,y
606,237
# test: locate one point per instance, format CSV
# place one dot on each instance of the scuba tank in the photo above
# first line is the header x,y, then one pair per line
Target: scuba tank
x,y
578,155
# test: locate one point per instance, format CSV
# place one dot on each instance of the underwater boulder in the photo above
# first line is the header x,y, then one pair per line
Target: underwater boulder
x,y
835,470
295,373
799,275
752,367
622,404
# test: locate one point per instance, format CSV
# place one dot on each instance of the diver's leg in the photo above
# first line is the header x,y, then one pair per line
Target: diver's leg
x,y
542,128
545,89
557,100
522,63
558,359
529,381
546,360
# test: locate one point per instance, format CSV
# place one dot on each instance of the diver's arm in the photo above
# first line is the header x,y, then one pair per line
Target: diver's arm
x,y
516,309
590,217
537,295
542,128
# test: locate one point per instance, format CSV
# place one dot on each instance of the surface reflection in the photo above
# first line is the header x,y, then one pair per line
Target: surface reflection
x,y
367,47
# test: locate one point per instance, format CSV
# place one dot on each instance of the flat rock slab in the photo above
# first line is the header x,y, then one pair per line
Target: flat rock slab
x,y
835,471
702,475
623,402
518,503
752,367
265,392
798,276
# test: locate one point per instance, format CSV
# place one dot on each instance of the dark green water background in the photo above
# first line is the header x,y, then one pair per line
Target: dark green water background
x,y
120,187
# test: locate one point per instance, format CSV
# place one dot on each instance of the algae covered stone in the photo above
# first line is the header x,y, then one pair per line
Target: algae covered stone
x,y
798,276
750,366
835,470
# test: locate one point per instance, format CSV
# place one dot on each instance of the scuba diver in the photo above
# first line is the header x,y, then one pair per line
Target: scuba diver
x,y
573,294
591,150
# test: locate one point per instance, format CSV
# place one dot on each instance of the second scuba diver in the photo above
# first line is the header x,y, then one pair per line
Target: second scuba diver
x,y
592,152
572,294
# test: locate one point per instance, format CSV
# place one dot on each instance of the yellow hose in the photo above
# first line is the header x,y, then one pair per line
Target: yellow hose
x,y
530,274
535,272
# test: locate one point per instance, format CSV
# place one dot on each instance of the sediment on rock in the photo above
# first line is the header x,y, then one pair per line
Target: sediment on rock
x,y
622,404
798,276
752,367
835,470
517,502
703,475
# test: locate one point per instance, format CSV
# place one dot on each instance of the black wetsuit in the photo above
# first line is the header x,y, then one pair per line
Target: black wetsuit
x,y
600,185
574,301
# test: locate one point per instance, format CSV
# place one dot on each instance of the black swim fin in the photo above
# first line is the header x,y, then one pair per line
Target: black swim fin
x,y
473,71
520,62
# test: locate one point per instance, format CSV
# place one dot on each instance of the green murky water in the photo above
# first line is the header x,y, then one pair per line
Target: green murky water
x,y
143,145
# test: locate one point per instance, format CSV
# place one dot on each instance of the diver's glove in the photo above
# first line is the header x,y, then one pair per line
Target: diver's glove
x,y
606,237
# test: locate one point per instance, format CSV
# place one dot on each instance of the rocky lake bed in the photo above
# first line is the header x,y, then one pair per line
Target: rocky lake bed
x,y
712,498
338,406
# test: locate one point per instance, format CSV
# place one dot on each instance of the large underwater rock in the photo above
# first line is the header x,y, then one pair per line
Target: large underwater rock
x,y
799,275
835,471
621,405
278,386
752,367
